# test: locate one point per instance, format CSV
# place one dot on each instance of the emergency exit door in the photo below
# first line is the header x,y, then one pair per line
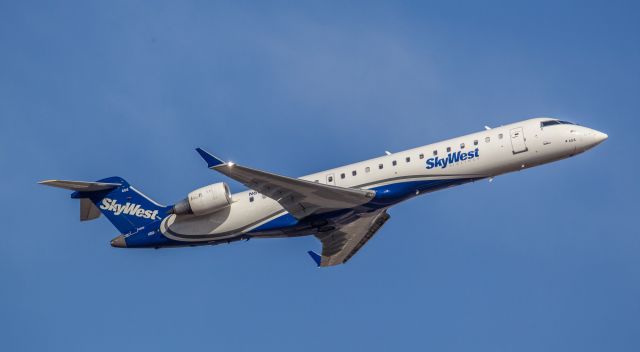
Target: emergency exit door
x,y
518,142
331,180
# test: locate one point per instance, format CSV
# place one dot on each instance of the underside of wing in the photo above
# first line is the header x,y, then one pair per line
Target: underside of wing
x,y
339,245
300,198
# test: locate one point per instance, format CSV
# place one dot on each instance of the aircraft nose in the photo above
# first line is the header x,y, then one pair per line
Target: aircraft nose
x,y
597,137
600,137
119,242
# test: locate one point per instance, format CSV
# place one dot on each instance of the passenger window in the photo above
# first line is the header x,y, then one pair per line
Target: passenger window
x,y
342,175
475,142
394,163
500,136
380,166
367,169
330,179
435,152
448,149
461,145
407,159
353,172
421,156
487,139
251,199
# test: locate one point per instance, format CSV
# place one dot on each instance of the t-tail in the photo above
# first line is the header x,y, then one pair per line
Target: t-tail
x,y
135,215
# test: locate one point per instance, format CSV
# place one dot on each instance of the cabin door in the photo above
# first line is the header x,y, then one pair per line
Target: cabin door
x,y
518,143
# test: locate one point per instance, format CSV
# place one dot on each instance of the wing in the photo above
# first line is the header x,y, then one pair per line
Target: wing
x,y
339,245
300,198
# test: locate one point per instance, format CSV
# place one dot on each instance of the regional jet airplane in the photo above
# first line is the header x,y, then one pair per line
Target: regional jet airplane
x,y
342,207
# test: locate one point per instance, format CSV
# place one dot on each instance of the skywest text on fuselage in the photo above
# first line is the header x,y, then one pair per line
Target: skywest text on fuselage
x,y
451,159
128,208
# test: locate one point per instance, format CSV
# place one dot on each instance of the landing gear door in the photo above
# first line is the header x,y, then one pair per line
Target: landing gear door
x,y
518,142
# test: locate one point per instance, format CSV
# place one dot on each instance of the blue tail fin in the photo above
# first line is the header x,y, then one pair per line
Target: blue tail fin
x,y
126,207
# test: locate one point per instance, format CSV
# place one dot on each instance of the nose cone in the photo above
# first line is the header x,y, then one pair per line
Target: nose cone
x,y
599,137
119,242
594,138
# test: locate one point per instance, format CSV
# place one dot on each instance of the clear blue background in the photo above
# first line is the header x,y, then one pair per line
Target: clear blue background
x,y
543,260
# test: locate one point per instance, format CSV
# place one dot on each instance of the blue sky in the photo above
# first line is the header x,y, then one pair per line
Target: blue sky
x,y
545,259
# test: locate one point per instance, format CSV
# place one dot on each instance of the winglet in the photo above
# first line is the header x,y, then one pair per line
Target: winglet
x,y
316,258
211,160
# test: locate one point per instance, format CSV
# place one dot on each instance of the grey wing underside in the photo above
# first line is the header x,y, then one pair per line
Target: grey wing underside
x,y
339,245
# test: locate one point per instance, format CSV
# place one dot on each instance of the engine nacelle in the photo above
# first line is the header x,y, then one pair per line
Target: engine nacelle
x,y
205,200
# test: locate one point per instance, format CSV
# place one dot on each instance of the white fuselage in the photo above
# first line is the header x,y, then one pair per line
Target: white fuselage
x,y
397,177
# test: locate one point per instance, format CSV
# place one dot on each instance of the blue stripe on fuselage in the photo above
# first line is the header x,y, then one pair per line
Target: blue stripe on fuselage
x,y
282,221
394,193
386,196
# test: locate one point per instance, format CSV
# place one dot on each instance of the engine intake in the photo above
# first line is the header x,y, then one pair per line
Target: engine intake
x,y
205,200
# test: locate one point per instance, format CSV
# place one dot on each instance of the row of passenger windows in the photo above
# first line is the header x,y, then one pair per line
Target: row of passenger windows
x,y
408,159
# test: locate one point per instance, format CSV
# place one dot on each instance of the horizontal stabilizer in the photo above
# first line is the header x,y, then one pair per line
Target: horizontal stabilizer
x,y
80,186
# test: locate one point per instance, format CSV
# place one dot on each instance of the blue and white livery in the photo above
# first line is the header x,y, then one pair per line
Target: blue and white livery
x,y
343,207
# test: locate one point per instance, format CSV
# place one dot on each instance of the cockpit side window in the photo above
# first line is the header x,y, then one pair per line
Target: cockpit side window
x,y
555,122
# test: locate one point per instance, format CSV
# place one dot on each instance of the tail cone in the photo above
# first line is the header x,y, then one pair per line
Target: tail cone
x,y
119,242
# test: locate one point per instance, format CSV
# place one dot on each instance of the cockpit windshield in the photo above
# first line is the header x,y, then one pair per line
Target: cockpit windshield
x,y
555,122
